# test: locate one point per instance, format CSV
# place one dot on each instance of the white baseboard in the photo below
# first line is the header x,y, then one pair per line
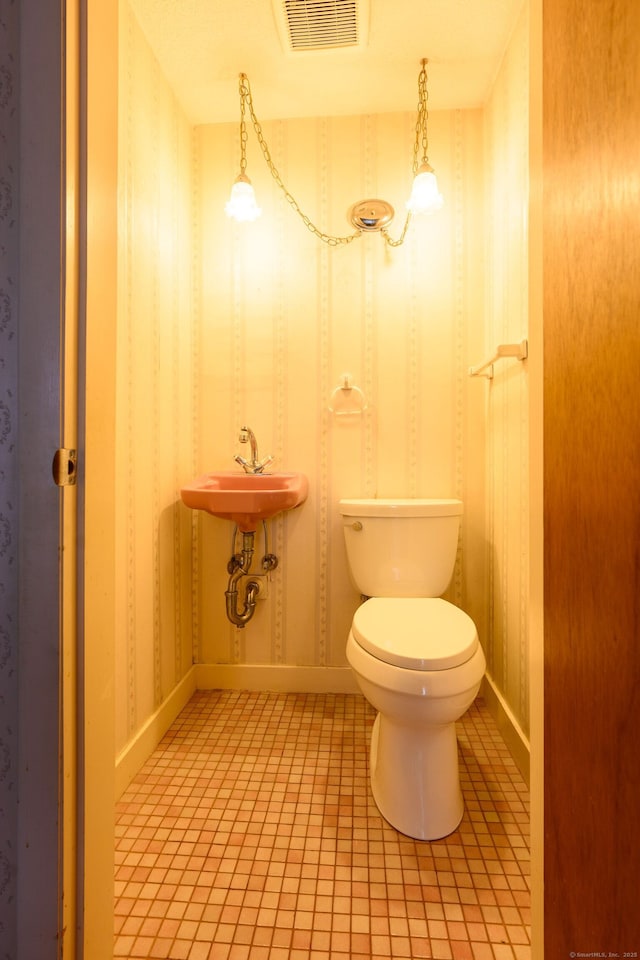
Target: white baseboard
x,y
277,678
512,733
141,746
224,676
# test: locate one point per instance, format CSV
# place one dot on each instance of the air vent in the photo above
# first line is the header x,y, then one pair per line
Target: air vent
x,y
320,24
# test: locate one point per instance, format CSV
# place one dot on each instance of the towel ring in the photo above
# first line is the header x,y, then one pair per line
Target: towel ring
x,y
347,400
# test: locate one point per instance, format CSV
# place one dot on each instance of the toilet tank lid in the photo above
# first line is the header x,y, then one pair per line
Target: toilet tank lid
x,y
417,633
391,507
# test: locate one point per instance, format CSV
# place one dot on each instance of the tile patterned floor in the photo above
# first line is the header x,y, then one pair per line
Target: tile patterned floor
x,y
251,833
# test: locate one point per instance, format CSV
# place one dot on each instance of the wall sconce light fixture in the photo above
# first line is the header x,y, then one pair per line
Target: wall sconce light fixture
x,y
367,216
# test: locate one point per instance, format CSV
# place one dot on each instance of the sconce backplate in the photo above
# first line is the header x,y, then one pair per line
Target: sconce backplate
x,y
370,216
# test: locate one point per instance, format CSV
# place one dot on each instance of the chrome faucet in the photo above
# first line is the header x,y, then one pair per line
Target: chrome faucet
x,y
254,465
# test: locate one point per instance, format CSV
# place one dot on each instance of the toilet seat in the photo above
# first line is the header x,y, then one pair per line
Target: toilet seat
x,y
417,633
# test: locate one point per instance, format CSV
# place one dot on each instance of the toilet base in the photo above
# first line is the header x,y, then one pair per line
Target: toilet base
x,y
415,779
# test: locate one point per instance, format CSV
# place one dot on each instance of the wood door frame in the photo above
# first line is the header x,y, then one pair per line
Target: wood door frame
x,y
96,447
536,480
67,277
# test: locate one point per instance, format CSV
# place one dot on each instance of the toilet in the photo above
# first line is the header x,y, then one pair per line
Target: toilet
x,y
416,657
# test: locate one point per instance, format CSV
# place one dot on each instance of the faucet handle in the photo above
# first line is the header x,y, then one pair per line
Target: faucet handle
x,y
264,463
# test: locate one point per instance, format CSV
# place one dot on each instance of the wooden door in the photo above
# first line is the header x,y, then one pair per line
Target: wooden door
x,y
591,238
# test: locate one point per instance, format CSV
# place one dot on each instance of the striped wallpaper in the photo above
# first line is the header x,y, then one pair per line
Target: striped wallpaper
x,y
221,325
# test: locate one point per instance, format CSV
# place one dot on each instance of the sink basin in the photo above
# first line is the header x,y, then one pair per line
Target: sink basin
x,y
245,498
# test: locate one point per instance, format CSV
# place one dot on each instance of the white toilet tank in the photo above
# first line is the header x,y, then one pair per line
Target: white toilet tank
x,y
401,548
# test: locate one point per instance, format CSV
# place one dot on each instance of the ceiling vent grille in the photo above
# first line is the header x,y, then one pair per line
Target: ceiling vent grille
x,y
321,24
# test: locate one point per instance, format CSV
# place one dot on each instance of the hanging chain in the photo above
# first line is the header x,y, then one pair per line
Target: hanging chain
x,y
245,98
243,133
421,121
421,141
421,144
400,240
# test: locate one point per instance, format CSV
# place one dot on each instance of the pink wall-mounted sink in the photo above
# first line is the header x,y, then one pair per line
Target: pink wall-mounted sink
x,y
245,498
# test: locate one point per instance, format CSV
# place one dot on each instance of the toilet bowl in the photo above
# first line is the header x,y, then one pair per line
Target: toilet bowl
x,y
417,658
420,685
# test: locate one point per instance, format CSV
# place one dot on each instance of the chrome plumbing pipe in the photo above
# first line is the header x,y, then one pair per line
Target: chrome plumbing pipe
x,y
240,617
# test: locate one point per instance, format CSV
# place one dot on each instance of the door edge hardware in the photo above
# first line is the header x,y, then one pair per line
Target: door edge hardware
x,y
64,467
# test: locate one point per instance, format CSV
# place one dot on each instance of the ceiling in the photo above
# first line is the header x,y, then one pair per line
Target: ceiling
x,y
202,46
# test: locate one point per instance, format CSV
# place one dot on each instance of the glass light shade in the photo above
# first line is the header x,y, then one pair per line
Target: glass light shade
x,y
425,196
241,205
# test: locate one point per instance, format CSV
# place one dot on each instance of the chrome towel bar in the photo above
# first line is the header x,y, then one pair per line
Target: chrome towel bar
x,y
518,350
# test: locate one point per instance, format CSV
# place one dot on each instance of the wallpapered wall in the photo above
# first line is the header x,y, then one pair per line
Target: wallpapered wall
x,y
9,167
222,325
282,317
155,401
506,139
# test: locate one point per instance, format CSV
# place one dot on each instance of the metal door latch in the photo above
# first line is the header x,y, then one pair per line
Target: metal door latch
x,y
64,467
